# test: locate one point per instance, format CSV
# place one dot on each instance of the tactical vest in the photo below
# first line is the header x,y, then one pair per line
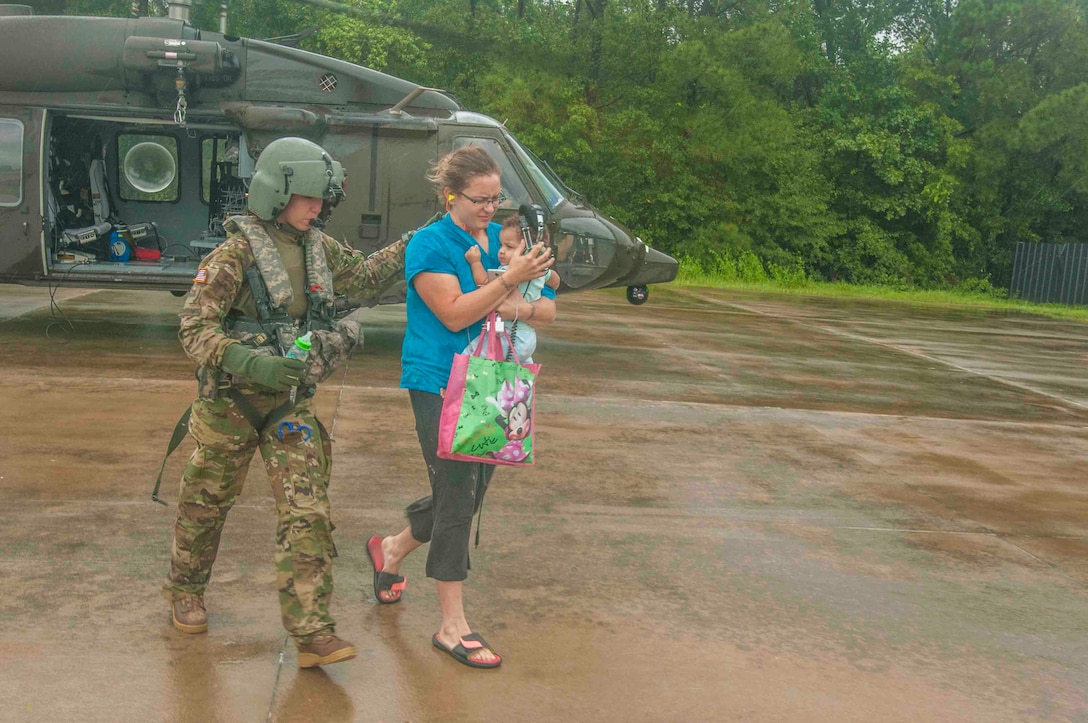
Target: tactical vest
x,y
273,331
272,294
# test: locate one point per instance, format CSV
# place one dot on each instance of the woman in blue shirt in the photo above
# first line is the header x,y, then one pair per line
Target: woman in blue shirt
x,y
445,309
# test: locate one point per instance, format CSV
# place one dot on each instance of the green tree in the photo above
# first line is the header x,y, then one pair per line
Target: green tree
x,y
891,141
1016,68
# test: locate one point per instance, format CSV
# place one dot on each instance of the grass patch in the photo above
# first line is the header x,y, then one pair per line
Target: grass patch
x,y
794,283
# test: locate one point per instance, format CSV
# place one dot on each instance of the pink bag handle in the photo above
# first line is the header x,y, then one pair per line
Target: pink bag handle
x,y
490,337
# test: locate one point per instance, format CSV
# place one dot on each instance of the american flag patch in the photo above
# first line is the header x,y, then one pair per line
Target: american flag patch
x,y
201,276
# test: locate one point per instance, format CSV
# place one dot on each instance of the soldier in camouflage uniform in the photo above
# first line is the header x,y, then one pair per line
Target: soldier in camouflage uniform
x,y
271,280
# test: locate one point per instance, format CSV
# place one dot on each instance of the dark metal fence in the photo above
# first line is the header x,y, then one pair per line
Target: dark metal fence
x,y
1050,273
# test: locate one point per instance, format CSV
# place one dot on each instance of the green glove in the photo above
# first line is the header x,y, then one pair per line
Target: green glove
x,y
275,372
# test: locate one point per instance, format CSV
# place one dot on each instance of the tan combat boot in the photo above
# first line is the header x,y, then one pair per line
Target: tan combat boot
x,y
324,649
188,614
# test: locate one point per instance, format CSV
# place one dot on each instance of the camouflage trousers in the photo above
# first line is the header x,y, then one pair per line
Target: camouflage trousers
x,y
298,467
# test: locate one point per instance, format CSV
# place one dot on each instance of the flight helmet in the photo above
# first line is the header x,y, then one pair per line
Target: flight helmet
x,y
293,165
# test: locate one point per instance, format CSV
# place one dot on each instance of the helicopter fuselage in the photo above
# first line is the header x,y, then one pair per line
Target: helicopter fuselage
x,y
125,145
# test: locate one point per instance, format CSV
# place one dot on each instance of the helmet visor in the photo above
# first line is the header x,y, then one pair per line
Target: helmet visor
x,y
317,179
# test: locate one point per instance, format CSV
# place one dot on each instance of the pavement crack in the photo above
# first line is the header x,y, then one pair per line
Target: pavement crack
x,y
276,682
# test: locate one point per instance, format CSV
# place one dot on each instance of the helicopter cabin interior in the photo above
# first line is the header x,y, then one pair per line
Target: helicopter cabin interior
x,y
128,197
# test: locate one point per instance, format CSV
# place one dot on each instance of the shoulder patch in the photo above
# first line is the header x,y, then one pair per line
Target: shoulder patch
x,y
201,276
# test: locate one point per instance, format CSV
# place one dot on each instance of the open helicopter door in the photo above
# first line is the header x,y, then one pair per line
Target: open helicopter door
x,y
22,254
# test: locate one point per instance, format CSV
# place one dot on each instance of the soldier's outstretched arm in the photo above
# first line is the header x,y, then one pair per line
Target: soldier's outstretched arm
x,y
365,277
215,288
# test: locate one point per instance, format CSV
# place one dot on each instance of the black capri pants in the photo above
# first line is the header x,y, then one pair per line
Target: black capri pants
x,y
444,518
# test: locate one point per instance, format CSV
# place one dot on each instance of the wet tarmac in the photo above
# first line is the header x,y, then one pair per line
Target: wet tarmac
x,y
745,507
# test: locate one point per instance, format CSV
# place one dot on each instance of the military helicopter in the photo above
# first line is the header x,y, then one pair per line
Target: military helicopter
x,y
125,146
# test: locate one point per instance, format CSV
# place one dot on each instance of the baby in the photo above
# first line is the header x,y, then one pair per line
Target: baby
x,y
511,242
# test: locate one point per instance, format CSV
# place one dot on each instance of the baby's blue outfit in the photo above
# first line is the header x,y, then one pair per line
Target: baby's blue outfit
x,y
524,336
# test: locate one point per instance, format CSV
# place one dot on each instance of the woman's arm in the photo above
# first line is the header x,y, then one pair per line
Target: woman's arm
x,y
536,314
479,273
442,295
442,292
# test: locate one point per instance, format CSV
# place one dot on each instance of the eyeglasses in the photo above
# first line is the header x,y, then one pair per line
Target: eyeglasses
x,y
485,201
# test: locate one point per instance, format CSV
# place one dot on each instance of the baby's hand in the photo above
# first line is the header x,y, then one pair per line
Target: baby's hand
x,y
473,255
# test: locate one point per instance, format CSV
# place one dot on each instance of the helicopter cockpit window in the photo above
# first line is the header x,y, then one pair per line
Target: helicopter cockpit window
x,y
584,248
540,173
11,162
148,167
512,187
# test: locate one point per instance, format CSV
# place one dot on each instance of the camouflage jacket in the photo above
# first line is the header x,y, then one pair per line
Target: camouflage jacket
x,y
221,289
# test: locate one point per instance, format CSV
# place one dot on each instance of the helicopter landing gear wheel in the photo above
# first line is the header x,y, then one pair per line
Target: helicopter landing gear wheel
x,y
638,295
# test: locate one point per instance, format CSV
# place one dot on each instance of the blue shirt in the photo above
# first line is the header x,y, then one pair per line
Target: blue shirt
x,y
429,347
427,355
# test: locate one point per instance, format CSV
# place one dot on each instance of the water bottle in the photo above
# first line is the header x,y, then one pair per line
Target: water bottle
x,y
299,350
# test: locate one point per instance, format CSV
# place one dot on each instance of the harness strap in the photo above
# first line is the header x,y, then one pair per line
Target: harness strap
x,y
480,512
180,430
252,415
258,421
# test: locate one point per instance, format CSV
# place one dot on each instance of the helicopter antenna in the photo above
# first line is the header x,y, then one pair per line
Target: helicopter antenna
x,y
292,41
398,109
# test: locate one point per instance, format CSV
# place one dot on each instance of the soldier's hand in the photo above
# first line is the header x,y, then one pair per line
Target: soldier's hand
x,y
277,372
274,372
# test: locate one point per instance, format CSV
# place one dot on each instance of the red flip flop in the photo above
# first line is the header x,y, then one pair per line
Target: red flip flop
x,y
383,581
465,647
